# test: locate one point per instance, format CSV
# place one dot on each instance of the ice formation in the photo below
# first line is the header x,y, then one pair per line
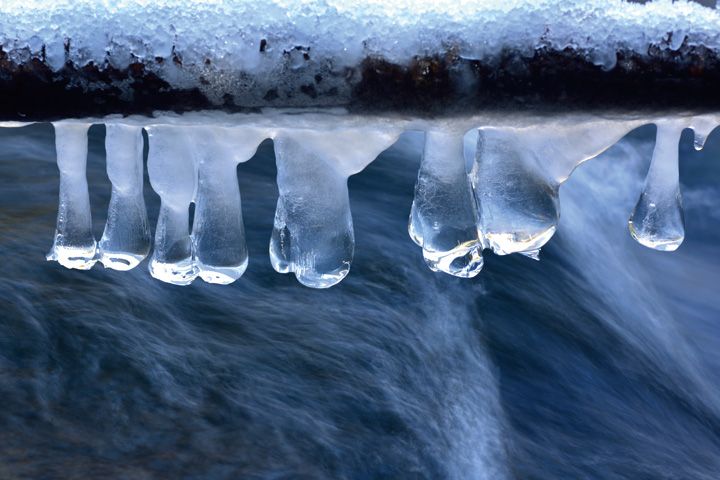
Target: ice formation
x,y
543,86
126,239
507,202
74,245
313,233
444,217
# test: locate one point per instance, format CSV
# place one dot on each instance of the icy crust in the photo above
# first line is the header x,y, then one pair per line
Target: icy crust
x,y
230,34
207,44
505,198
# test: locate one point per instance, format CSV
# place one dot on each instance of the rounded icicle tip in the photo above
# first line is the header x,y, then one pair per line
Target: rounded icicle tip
x,y
444,218
658,221
519,206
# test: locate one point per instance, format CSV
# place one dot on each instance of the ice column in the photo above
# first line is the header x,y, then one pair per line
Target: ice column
x,y
173,177
518,203
313,234
126,239
658,221
74,245
218,233
444,219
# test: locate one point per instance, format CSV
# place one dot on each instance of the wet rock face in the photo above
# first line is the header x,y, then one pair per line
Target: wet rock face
x,y
686,79
549,80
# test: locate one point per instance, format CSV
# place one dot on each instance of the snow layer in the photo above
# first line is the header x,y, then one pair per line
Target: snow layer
x,y
254,36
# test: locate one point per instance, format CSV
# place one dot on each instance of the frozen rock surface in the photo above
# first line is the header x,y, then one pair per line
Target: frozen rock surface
x,y
257,36
101,57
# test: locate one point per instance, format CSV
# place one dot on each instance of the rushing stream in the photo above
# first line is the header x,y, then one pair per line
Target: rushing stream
x,y
600,361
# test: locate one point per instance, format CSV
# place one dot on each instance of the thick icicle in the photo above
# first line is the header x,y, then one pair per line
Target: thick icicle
x,y
218,234
74,245
444,219
126,239
518,204
313,234
173,176
658,221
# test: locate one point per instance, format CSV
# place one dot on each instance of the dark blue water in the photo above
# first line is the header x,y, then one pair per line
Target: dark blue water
x,y
601,361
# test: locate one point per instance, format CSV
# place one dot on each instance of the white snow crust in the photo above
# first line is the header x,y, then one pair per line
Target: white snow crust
x,y
227,36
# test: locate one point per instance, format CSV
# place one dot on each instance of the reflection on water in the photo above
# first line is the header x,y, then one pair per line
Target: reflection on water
x,y
600,361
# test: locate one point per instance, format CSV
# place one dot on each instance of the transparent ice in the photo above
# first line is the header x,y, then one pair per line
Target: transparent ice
x,y
702,127
126,239
218,234
74,245
173,176
519,206
658,221
313,233
444,219
508,202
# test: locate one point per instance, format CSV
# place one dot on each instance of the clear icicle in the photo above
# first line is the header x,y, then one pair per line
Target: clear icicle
x,y
699,140
658,221
74,245
126,239
444,218
313,234
702,126
519,207
218,233
173,176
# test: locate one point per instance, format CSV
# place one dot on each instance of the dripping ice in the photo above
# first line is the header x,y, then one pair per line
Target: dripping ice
x,y
505,199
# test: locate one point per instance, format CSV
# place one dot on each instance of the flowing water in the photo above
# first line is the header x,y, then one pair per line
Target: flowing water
x,y
601,361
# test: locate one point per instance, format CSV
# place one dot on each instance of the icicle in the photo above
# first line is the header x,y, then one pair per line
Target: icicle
x,y
173,177
74,245
702,126
126,239
218,234
444,218
519,207
313,234
658,221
